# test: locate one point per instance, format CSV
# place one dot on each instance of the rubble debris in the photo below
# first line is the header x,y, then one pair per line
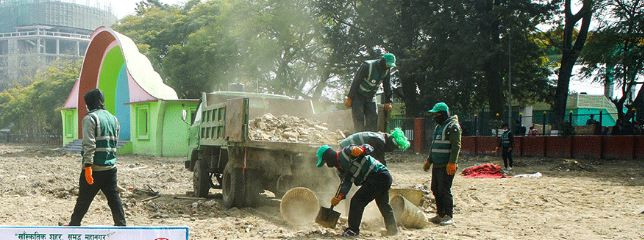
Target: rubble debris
x,y
286,128
573,165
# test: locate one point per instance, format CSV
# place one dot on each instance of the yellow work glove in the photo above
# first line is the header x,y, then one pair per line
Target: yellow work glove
x,y
388,107
426,165
348,102
451,168
88,175
335,200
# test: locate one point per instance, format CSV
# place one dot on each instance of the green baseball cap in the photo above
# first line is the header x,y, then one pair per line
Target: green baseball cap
x,y
390,59
440,107
320,153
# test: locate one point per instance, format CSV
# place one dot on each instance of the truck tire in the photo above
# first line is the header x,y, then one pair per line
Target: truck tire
x,y
200,179
233,187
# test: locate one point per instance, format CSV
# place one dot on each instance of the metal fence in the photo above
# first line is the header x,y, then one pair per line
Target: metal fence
x,y
31,137
538,124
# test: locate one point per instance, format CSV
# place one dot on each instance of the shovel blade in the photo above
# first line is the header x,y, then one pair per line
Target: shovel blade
x,y
327,217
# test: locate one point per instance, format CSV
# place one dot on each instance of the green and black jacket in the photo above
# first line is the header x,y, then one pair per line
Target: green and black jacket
x,y
356,170
367,81
375,139
100,137
446,143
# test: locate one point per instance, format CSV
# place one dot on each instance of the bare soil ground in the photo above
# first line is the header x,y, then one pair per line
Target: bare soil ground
x,y
573,200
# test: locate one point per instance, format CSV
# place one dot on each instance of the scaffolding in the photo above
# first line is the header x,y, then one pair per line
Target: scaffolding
x,y
35,33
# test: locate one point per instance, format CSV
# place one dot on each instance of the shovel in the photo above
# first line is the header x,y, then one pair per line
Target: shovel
x,y
327,217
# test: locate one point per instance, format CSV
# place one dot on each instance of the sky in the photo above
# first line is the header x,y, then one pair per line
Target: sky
x,y
123,8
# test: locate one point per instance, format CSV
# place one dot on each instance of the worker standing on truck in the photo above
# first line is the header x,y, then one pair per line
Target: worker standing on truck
x,y
443,158
363,90
381,142
358,167
100,136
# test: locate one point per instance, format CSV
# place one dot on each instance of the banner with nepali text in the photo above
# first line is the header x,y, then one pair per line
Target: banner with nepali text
x,y
93,233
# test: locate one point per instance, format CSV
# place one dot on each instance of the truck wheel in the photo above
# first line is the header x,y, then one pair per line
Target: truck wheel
x,y
200,179
233,187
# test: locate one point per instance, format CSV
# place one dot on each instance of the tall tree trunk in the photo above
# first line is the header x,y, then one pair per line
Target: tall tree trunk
x,y
570,53
490,29
407,66
638,104
409,84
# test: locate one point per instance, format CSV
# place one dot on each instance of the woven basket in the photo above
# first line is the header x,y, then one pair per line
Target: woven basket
x,y
299,206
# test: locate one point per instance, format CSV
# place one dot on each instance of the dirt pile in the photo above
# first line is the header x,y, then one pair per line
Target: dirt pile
x,y
40,190
573,165
293,129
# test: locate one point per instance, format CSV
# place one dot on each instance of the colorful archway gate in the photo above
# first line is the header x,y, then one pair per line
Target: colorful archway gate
x,y
114,64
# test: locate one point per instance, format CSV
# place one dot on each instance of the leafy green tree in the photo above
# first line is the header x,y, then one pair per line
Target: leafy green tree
x,y
615,53
34,107
444,55
271,46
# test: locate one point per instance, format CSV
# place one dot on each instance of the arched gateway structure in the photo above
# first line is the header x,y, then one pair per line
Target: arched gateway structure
x,y
114,64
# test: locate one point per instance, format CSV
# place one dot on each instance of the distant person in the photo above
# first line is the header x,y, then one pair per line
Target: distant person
x,y
363,90
591,120
533,131
519,128
100,135
381,142
356,166
506,143
443,158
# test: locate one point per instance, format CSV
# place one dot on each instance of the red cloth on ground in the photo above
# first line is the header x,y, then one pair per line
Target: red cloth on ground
x,y
487,170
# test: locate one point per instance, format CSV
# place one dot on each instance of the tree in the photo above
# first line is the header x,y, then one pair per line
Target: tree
x,y
271,46
35,107
571,50
615,53
443,54
312,48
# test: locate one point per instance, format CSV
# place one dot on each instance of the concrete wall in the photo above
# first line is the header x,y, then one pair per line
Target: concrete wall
x,y
174,140
580,147
145,144
167,134
70,125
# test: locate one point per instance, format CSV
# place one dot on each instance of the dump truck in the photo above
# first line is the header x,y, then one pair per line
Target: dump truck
x,y
221,150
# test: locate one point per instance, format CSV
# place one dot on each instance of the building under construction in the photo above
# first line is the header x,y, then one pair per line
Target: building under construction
x,y
35,33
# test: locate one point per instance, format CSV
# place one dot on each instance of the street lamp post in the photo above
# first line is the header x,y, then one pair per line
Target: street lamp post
x,y
509,79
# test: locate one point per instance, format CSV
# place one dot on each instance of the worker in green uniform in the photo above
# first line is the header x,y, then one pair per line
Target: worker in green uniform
x,y
363,90
356,166
100,136
381,142
506,143
443,158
